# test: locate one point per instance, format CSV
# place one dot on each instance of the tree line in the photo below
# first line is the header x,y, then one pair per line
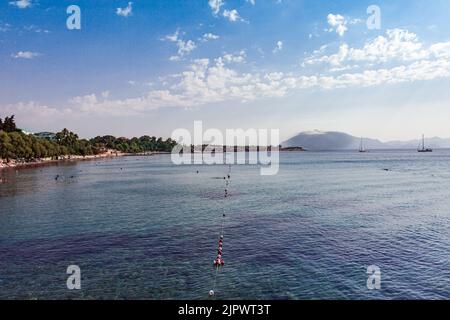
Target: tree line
x,y
15,144
134,145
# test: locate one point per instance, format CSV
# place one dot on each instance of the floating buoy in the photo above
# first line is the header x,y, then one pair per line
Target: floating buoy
x,y
218,262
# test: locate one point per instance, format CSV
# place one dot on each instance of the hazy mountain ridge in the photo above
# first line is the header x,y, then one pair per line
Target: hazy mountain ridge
x,y
332,140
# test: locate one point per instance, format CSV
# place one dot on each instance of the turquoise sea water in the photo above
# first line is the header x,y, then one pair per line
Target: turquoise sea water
x,y
142,228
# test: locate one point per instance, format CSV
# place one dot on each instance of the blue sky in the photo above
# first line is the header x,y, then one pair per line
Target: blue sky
x,y
153,66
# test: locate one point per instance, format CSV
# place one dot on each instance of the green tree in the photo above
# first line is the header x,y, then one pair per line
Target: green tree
x,y
67,139
9,125
6,148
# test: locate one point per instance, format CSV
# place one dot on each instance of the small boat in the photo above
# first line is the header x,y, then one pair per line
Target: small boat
x,y
423,149
361,147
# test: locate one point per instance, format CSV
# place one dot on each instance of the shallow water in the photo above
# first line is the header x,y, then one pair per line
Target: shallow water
x,y
142,228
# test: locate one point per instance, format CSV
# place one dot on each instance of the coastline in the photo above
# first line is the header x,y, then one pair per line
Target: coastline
x,y
15,164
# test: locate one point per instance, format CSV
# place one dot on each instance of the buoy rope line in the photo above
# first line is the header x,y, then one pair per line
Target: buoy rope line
x,y
218,262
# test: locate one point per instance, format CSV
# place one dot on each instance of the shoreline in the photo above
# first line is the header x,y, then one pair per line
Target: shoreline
x,y
14,164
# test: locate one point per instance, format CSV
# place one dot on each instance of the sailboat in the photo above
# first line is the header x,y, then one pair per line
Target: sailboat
x,y
423,149
361,147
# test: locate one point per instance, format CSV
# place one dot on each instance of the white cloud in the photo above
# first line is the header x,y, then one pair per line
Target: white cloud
x,y
184,46
397,45
204,82
416,71
251,1
209,36
278,47
233,58
21,4
125,12
356,21
173,37
174,58
337,23
31,113
208,82
215,5
25,55
440,50
33,28
398,57
232,15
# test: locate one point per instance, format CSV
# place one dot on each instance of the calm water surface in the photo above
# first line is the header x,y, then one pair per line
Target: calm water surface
x,y
142,228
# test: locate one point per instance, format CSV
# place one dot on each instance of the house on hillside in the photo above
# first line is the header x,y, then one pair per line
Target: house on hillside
x,y
46,135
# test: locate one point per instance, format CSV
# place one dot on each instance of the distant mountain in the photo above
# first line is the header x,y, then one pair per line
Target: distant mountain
x,y
435,142
319,140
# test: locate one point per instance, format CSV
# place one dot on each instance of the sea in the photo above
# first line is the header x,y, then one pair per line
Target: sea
x,y
145,228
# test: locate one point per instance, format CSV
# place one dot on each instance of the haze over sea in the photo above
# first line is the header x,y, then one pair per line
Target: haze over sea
x,y
141,227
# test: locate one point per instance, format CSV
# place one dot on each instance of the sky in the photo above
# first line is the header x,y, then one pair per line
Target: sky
x,y
150,67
